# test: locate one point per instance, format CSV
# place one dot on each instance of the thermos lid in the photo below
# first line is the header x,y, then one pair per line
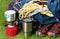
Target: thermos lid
x,y
10,12
27,20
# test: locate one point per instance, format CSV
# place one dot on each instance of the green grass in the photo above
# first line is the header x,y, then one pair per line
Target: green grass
x,y
3,8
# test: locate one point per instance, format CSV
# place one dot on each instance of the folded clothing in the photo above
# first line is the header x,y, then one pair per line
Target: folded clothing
x,y
30,7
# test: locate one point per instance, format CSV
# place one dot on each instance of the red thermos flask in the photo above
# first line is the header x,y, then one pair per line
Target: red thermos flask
x,y
11,30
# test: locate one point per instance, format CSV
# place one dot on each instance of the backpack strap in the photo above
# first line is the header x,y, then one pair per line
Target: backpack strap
x,y
17,5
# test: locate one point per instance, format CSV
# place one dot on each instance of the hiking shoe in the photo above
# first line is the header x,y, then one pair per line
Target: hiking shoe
x,y
43,30
55,30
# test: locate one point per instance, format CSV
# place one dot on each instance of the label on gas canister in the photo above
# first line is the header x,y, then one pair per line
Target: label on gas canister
x,y
10,15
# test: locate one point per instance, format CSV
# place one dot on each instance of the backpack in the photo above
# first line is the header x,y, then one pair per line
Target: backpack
x,y
16,6
54,7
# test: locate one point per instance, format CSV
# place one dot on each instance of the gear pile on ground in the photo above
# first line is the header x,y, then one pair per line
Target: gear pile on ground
x,y
50,30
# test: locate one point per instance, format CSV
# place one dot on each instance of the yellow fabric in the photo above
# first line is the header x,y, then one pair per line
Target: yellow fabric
x,y
29,7
46,12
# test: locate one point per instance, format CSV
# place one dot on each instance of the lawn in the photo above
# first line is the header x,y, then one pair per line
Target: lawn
x,y
3,8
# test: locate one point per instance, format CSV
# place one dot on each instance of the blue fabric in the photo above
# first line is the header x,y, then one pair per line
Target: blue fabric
x,y
54,6
44,19
10,7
